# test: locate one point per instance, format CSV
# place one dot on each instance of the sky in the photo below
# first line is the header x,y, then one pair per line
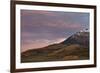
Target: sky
x,y
41,28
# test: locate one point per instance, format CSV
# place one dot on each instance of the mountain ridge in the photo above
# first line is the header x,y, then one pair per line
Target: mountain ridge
x,y
76,47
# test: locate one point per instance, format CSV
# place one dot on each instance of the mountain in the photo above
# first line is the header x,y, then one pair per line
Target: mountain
x,y
81,38
76,47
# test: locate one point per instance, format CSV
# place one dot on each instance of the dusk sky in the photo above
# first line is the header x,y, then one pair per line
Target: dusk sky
x,y
42,28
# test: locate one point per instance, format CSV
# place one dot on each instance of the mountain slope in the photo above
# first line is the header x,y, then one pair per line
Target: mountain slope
x,y
74,48
81,38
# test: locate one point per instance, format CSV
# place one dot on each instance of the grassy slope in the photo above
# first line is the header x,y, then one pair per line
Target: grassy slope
x,y
56,52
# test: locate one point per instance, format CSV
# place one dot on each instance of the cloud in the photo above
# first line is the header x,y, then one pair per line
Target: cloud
x,y
62,24
41,12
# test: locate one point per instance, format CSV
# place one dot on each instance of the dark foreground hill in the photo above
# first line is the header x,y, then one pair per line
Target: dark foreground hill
x,y
76,47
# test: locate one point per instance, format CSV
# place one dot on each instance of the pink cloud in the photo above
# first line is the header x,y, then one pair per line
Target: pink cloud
x,y
30,12
62,24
